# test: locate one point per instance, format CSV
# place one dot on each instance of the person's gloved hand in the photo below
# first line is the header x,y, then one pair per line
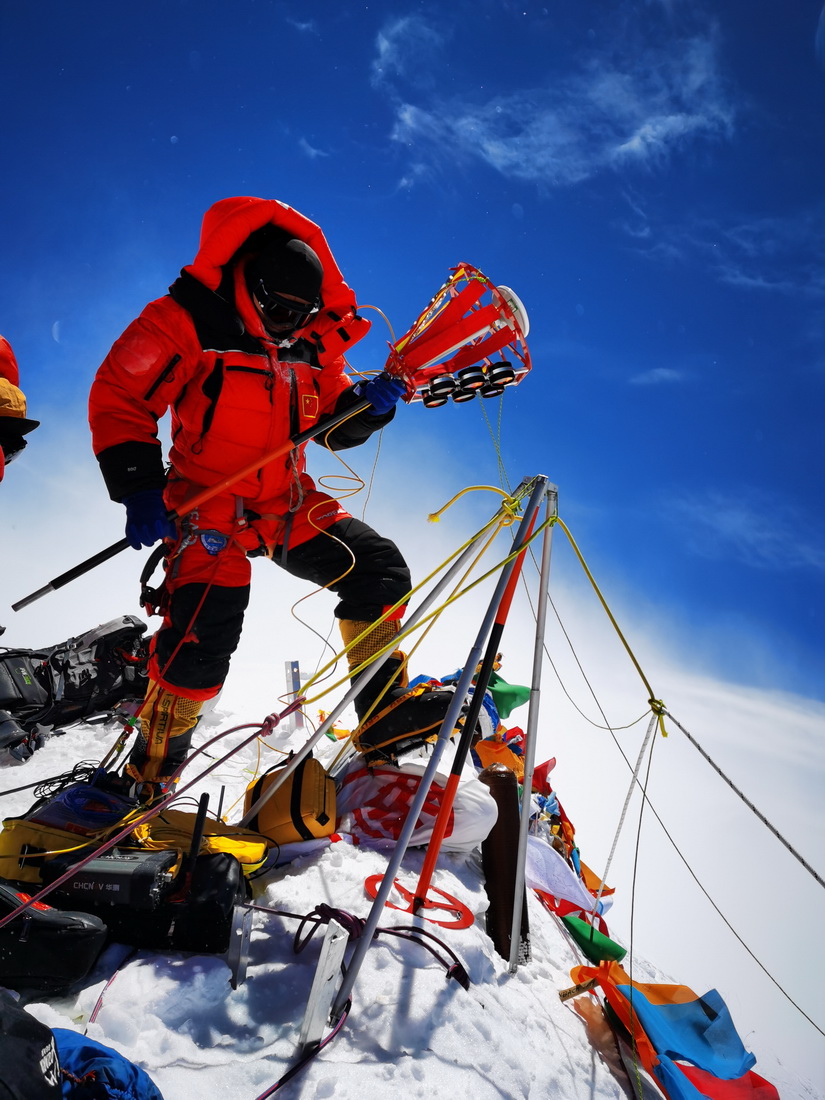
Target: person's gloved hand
x,y
382,392
146,519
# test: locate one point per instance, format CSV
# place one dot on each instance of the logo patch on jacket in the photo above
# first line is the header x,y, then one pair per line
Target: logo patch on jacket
x,y
213,542
309,406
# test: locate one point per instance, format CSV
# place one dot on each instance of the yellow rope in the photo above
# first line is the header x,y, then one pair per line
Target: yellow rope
x,y
439,610
343,493
507,505
490,572
259,742
504,517
656,705
397,640
93,838
504,520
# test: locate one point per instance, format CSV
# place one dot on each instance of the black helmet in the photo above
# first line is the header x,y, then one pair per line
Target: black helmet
x,y
283,271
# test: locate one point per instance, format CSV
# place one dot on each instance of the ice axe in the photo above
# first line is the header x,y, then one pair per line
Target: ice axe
x,y
322,426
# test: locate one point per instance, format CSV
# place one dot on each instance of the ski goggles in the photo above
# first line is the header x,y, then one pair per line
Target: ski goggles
x,y
283,311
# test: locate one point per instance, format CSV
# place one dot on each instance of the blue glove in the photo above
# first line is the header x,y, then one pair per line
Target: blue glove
x,y
382,392
146,519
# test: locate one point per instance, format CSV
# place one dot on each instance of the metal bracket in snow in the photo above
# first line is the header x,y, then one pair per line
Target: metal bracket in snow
x,y
324,986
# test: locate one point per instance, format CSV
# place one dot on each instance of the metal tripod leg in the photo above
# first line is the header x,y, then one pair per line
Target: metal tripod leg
x,y
465,681
532,724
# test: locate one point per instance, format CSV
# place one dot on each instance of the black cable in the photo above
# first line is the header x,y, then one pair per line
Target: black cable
x,y
746,800
83,772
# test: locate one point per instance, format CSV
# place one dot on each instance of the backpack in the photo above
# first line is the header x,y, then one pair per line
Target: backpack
x,y
38,1063
45,948
61,684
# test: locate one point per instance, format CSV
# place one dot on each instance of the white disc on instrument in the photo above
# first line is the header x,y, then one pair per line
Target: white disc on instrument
x,y
517,306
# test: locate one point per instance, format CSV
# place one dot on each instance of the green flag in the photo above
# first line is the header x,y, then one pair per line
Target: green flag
x,y
506,696
595,945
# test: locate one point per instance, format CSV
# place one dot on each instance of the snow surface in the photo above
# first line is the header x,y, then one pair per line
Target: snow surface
x,y
410,1032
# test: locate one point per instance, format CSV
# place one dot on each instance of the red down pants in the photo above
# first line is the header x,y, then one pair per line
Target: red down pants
x,y
207,581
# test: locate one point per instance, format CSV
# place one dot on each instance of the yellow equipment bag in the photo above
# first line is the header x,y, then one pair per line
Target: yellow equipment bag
x,y
26,845
302,808
174,829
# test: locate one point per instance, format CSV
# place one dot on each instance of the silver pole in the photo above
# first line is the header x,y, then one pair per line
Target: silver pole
x,y
539,484
532,725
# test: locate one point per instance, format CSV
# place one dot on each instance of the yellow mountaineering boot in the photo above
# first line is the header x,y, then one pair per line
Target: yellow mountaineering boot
x,y
393,719
167,721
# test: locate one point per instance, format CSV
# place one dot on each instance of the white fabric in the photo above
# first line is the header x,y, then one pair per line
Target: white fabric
x,y
546,869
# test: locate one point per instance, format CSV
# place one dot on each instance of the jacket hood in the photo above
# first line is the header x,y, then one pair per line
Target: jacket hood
x,y
228,233
8,363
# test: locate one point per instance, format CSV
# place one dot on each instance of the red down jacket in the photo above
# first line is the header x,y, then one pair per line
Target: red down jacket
x,y
202,353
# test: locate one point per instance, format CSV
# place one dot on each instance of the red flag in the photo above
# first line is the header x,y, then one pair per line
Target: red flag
x,y
541,782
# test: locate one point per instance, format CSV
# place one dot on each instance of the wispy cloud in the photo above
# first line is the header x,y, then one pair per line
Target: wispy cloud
x,y
763,534
408,50
608,112
775,253
658,376
310,150
819,39
772,254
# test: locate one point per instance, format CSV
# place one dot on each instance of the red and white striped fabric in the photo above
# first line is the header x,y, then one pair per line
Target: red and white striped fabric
x,y
373,804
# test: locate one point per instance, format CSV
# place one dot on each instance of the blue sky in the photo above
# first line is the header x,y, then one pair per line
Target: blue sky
x,y
647,176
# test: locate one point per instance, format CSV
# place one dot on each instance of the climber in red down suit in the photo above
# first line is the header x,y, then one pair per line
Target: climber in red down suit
x,y
14,424
246,350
